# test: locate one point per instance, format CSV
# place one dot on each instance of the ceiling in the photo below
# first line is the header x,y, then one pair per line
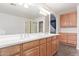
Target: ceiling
x,y
60,8
18,10
33,11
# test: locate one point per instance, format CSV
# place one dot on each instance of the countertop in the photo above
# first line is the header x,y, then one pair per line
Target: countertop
x,y
9,40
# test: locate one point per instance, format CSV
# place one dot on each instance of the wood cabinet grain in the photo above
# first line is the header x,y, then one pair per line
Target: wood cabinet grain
x,y
49,39
49,48
32,52
64,20
42,47
69,38
72,19
12,50
30,45
43,50
72,39
17,54
68,19
63,38
42,41
54,47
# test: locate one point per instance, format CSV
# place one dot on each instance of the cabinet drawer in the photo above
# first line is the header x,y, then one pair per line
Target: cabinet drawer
x,y
10,50
49,39
32,52
29,45
42,41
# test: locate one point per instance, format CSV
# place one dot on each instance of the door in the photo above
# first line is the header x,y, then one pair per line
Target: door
x,y
33,27
41,26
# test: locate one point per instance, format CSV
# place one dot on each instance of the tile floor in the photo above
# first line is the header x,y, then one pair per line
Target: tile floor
x,y
65,50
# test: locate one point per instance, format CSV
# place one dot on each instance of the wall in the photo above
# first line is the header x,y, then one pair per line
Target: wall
x,y
27,24
10,24
68,30
47,24
78,27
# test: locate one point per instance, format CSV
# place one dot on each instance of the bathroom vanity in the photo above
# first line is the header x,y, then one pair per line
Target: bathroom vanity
x,y
41,45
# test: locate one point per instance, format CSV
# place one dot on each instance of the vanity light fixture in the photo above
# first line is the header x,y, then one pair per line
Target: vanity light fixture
x,y
43,11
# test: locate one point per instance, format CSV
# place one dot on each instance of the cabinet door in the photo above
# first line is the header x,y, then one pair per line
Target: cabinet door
x,y
49,49
32,52
68,20
64,20
72,39
72,19
43,50
54,47
63,38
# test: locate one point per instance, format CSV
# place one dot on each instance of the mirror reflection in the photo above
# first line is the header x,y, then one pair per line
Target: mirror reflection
x,y
16,18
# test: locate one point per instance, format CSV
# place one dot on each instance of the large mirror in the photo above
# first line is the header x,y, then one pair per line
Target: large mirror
x,y
19,19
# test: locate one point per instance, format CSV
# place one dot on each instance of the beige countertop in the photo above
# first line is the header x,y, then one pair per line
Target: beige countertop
x,y
9,40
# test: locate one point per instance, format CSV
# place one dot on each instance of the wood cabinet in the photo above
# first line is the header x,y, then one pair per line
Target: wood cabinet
x,y
72,39
43,41
42,47
54,45
49,47
30,45
68,38
43,50
49,39
73,19
68,20
64,21
13,50
32,52
19,54
63,38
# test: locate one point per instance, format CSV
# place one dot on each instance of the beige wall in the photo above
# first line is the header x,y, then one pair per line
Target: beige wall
x,y
47,23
